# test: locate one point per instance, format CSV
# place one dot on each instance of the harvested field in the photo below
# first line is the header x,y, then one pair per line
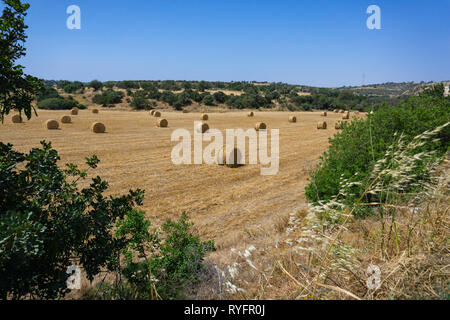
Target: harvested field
x,y
233,206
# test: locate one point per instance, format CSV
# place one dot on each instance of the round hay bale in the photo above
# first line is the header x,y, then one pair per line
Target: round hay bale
x,y
98,127
162,123
260,126
74,111
251,114
346,116
95,111
324,114
293,119
185,111
335,110
321,125
202,127
66,119
338,125
204,117
341,111
52,124
157,114
16,118
231,160
152,112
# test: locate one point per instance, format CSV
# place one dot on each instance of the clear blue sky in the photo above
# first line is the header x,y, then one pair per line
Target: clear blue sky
x,y
319,43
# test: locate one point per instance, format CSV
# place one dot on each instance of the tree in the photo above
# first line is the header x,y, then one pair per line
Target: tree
x,y
45,219
220,97
140,101
17,90
97,85
208,100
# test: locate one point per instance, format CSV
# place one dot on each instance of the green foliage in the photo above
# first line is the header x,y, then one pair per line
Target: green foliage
x,y
108,97
353,153
95,84
17,90
220,97
46,219
140,101
59,104
128,85
47,92
74,87
208,100
154,265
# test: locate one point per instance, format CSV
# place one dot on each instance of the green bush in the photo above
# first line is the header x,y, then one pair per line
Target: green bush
x,y
167,265
95,84
140,101
220,97
59,104
362,142
108,97
74,87
208,100
46,219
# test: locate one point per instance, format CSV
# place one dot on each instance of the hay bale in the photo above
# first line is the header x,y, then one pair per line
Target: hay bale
x,y
202,127
341,111
16,118
185,111
204,117
152,112
162,123
98,127
250,114
335,110
338,125
293,119
66,119
321,125
231,159
260,126
324,114
95,111
74,111
346,115
157,114
52,124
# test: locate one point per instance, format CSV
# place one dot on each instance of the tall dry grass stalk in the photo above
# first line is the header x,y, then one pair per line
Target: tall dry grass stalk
x,y
325,252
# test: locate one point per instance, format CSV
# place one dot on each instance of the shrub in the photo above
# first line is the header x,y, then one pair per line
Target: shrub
x,y
108,97
220,97
353,152
73,87
97,85
59,104
140,101
45,220
47,92
208,100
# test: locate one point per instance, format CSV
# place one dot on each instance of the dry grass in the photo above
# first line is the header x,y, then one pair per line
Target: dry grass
x,y
325,254
234,207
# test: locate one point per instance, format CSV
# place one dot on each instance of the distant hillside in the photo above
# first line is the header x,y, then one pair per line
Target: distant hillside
x,y
192,95
391,89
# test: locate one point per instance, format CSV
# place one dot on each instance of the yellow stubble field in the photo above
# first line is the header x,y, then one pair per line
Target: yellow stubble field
x,y
232,206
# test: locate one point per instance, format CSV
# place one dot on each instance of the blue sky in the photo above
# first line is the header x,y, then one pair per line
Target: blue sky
x,y
319,43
